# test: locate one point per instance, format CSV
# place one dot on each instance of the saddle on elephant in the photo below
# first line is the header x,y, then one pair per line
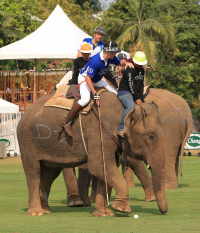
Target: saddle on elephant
x,y
68,95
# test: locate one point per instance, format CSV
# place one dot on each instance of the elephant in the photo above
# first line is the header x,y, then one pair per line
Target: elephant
x,y
176,128
45,152
176,122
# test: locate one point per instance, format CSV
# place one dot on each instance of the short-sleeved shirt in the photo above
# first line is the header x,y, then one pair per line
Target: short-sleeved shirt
x,y
96,49
89,40
96,67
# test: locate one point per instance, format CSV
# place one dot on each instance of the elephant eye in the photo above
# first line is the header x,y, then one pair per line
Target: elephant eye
x,y
151,136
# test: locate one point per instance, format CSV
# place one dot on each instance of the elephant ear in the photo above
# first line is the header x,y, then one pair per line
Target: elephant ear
x,y
129,121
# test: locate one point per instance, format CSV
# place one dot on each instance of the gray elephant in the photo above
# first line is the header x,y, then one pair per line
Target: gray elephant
x,y
45,153
176,122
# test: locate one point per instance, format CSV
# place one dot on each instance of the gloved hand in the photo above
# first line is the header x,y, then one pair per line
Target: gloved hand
x,y
96,96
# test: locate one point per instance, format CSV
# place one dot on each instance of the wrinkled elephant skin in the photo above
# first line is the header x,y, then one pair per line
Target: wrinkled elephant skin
x,y
45,153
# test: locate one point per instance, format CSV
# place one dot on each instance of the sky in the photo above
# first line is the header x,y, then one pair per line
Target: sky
x,y
105,4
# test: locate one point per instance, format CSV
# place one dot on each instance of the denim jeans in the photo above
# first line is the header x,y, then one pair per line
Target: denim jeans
x,y
128,103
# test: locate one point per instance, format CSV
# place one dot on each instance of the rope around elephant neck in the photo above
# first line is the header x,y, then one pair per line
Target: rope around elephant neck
x,y
169,103
81,128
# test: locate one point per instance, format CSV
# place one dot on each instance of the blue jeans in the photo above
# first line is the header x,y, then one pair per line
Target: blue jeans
x,y
128,103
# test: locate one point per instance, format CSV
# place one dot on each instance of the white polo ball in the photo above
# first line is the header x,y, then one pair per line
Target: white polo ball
x,y
136,216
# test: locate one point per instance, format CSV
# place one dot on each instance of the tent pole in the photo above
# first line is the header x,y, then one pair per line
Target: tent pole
x,y
34,84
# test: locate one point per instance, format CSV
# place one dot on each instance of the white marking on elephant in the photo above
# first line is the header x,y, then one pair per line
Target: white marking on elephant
x,y
37,126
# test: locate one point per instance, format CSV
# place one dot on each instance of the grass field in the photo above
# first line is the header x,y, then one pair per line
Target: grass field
x,y
183,215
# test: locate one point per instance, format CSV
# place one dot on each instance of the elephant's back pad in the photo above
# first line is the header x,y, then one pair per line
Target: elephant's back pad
x,y
59,100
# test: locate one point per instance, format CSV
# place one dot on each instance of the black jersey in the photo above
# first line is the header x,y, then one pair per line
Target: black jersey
x,y
133,81
79,63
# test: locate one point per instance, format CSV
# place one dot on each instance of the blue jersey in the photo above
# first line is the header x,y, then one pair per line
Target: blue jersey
x,y
89,41
96,67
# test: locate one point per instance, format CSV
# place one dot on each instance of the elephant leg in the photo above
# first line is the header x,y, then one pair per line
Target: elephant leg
x,y
128,175
140,171
32,170
73,198
171,168
94,189
101,209
83,184
120,186
47,176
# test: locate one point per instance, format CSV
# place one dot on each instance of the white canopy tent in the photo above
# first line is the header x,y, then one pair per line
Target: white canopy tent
x,y
58,38
7,107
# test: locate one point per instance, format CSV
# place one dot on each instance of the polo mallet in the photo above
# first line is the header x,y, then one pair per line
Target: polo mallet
x,y
102,148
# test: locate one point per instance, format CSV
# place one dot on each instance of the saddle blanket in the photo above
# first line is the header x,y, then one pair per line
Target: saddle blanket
x,y
59,100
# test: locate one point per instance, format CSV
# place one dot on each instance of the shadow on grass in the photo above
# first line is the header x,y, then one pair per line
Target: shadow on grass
x,y
64,209
141,209
182,185
135,209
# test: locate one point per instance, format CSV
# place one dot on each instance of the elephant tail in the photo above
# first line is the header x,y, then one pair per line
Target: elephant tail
x,y
188,132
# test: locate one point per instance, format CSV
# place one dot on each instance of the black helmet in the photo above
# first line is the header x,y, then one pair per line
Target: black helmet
x,y
122,56
100,29
111,46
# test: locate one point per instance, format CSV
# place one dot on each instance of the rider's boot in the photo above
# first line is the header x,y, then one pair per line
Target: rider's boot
x,y
71,115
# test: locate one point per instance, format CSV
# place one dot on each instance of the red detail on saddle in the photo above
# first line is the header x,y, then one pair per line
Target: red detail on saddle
x,y
80,84
48,99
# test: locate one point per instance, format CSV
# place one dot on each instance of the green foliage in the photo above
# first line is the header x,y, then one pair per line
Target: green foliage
x,y
94,4
80,16
15,20
178,69
140,25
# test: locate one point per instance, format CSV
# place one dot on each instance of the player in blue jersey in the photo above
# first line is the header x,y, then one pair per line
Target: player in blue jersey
x,y
91,76
97,44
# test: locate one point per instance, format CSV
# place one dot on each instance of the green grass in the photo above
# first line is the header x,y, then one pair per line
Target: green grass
x,y
183,215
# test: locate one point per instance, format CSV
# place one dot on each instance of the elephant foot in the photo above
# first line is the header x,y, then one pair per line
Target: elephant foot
x,y
35,212
149,199
74,200
121,207
149,195
86,202
104,212
45,207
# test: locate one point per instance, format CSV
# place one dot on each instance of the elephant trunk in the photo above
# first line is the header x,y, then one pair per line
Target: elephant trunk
x,y
158,179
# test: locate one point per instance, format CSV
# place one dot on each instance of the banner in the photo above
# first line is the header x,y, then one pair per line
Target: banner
x,y
10,142
193,142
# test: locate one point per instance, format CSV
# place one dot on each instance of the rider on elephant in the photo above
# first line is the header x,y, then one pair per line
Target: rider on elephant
x,y
131,87
97,44
80,62
91,76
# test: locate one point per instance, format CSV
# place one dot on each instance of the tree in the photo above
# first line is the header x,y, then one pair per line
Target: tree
x,y
178,70
82,17
141,25
15,20
94,4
